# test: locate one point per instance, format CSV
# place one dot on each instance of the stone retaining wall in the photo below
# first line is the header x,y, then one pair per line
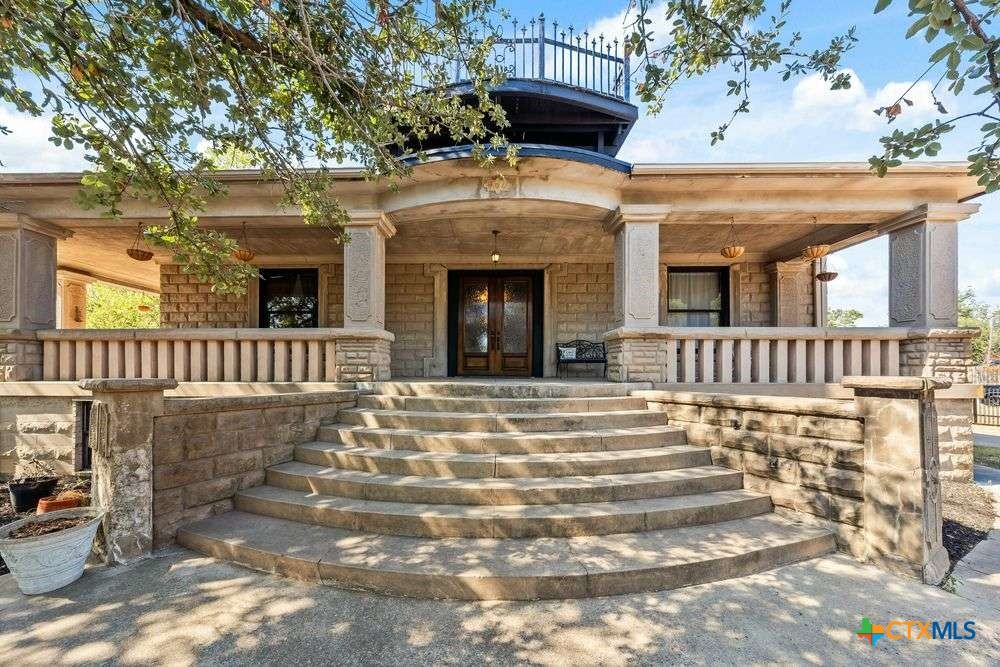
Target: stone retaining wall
x,y
207,449
807,454
37,427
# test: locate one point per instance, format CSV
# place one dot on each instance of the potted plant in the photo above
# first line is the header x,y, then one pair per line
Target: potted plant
x,y
48,551
37,481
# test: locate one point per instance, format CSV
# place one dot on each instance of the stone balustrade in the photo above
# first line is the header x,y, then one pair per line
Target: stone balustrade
x,y
760,355
217,355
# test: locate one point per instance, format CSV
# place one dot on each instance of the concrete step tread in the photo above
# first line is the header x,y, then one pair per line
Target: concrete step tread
x,y
517,483
497,405
471,568
534,435
565,511
600,455
499,415
504,388
488,465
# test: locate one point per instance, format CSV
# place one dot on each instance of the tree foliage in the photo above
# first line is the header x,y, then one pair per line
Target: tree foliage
x,y
745,37
974,314
113,307
142,84
843,317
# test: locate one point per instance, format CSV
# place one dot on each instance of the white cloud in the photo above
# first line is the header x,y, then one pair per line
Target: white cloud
x,y
862,282
27,147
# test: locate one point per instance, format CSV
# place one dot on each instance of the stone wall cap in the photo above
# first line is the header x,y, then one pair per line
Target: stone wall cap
x,y
128,384
943,333
895,382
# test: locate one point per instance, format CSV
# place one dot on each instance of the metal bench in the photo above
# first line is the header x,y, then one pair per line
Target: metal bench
x,y
581,352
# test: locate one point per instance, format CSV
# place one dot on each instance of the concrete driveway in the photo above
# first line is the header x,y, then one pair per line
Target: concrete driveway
x,y
182,608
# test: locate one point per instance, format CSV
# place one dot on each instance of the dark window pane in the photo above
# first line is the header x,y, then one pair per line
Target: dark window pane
x,y
289,298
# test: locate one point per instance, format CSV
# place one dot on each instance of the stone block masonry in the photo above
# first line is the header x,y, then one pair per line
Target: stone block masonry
x,y
807,454
187,303
37,427
583,308
20,357
409,315
207,449
868,468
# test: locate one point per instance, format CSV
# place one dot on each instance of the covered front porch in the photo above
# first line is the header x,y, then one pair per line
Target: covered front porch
x,y
588,248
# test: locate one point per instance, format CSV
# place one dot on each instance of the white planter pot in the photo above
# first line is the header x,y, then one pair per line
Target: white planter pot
x,y
47,562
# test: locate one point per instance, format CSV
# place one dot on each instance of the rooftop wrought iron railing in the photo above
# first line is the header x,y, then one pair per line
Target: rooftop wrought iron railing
x,y
547,52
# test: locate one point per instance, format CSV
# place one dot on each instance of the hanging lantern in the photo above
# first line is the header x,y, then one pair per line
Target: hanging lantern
x,y
137,253
495,255
826,276
734,250
243,253
817,250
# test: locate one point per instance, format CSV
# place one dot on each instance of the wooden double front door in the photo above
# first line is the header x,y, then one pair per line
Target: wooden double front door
x,y
495,324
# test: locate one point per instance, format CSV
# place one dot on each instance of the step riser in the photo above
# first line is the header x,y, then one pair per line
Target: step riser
x,y
487,444
503,527
505,423
487,587
507,406
501,390
667,460
310,555
493,496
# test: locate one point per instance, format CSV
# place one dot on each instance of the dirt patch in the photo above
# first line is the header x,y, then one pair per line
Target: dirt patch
x,y
968,517
46,527
8,515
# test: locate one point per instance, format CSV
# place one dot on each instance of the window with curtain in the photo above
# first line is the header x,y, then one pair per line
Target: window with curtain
x,y
697,297
289,298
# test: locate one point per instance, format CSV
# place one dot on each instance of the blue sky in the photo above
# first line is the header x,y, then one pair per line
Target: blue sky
x,y
796,121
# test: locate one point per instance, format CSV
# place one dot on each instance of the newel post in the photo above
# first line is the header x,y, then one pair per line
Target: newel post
x,y
121,437
902,488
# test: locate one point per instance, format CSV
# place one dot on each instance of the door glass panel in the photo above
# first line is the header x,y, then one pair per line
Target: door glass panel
x,y
475,315
515,317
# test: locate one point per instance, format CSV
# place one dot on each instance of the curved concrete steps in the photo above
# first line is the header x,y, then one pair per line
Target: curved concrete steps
x,y
491,569
512,491
502,422
456,464
558,520
505,443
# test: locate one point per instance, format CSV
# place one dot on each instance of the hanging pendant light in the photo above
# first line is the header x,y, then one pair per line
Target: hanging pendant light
x,y
826,276
243,253
495,255
137,253
817,250
734,250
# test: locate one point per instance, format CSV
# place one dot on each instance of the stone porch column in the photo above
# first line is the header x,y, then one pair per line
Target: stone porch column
x,y
364,270
121,437
71,291
902,489
27,292
367,357
636,228
631,357
923,266
791,296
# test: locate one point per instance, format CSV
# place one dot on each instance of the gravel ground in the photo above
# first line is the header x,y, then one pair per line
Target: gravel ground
x,y
968,517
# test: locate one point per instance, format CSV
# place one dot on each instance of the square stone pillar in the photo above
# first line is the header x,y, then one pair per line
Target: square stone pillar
x,y
902,488
364,270
121,438
791,294
923,266
71,297
27,292
636,229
